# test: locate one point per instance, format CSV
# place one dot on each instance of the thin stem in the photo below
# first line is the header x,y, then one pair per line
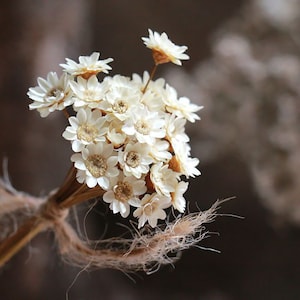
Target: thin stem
x,y
150,78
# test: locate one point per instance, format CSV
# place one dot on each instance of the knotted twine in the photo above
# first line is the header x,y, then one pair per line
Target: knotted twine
x,y
146,250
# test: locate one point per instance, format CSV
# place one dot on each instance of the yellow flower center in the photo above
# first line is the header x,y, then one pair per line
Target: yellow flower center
x,y
132,159
142,127
56,93
123,191
87,132
96,164
120,107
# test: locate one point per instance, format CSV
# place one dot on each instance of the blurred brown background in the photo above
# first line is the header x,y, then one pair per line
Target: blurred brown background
x,y
258,259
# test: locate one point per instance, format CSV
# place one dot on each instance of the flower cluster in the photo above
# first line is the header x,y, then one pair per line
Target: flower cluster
x,y
127,134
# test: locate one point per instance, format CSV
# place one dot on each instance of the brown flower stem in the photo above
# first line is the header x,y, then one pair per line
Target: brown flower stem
x,y
52,211
150,78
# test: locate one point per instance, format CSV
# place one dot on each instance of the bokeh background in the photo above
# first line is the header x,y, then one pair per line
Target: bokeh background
x,y
245,70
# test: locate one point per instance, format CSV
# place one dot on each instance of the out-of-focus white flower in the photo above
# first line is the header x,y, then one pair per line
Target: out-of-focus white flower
x,y
182,162
177,198
135,159
145,125
123,193
152,209
51,94
96,164
163,179
163,49
87,66
88,93
182,107
281,13
86,128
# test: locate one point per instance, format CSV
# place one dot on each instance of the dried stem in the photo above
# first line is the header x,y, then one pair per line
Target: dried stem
x,y
51,212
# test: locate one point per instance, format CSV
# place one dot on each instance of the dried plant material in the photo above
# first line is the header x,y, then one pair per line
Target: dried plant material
x,y
146,251
130,149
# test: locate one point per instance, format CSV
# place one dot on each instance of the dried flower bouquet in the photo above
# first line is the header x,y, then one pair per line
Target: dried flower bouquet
x,y
130,149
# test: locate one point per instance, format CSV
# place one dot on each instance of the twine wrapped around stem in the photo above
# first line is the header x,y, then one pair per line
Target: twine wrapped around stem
x,y
144,251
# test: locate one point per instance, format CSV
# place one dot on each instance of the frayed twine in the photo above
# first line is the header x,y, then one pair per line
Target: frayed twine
x,y
147,250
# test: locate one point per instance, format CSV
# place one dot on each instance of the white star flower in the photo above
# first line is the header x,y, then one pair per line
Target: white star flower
x,y
135,159
175,128
177,198
115,134
145,125
181,107
88,93
96,164
152,209
122,95
86,128
163,49
124,192
182,162
163,179
51,94
87,66
160,151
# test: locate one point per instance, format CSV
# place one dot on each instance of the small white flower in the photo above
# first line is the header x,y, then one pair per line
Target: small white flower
x,y
96,165
135,159
175,128
145,125
88,93
152,209
115,134
177,198
86,128
122,95
87,66
163,179
182,162
160,151
124,192
164,50
51,94
182,107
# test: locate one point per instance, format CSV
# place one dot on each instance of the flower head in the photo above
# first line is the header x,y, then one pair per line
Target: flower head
x,y
96,164
88,92
86,128
145,125
135,159
87,66
152,209
163,49
51,94
182,107
163,178
123,193
177,199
